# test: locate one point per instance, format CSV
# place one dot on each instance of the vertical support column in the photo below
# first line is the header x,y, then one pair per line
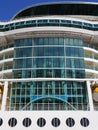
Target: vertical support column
x,y
4,96
90,96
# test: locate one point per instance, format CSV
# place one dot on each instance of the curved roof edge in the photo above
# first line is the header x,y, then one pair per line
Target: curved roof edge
x,y
53,3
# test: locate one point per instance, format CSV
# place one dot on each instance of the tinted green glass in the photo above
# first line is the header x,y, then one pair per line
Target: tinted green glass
x,y
49,57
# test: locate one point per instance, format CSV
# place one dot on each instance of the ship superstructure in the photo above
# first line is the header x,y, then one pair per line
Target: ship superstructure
x,y
49,67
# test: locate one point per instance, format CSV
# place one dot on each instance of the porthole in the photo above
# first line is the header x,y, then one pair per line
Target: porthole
x,y
1,121
70,122
55,122
27,122
84,122
12,122
41,122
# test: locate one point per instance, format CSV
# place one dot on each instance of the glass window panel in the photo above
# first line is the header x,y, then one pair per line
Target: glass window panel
x,y
76,42
69,73
23,42
67,51
28,63
48,62
39,73
80,42
76,52
68,63
35,51
18,63
81,52
79,74
61,51
23,52
72,63
45,41
61,41
55,51
51,41
67,41
51,51
58,62
39,62
55,62
46,51
40,51
62,62
57,72
41,41
36,41
48,73
77,63
56,41
71,51
71,42
82,63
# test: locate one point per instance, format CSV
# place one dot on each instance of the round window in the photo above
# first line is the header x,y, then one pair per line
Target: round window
x,y
55,122
41,122
70,122
27,122
12,122
84,122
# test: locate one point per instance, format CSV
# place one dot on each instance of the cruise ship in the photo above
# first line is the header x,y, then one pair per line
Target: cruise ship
x,y
49,67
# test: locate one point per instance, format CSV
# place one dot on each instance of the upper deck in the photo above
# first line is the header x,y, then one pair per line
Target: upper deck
x,y
64,8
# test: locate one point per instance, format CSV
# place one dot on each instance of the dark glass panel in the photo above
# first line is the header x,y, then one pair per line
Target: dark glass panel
x,y
59,9
23,52
23,42
39,73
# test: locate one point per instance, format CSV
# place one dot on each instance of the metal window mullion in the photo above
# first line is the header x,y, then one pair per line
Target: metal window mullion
x,y
64,57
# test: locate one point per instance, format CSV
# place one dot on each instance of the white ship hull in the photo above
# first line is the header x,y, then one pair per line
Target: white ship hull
x,y
48,116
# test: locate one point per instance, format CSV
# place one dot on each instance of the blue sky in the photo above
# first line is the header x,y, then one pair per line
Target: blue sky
x,y
10,7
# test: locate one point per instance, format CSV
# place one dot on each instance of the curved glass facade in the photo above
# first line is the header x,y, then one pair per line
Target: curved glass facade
x,y
60,9
49,57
